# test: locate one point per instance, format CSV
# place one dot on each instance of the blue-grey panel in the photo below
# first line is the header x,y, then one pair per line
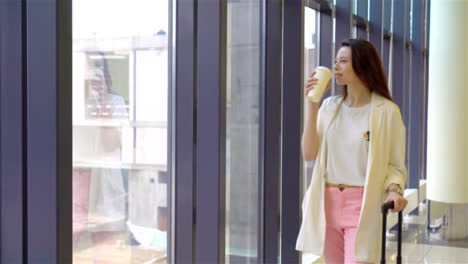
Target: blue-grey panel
x,y
362,12
211,139
416,112
41,131
376,25
183,106
343,21
326,43
292,90
11,160
398,51
387,17
326,40
387,14
362,8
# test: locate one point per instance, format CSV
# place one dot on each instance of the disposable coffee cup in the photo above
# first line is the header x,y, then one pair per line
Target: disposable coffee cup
x,y
323,74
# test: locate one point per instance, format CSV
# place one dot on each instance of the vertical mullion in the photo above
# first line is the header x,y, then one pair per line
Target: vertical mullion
x,y
376,24
41,129
11,159
326,40
426,78
270,133
407,76
64,131
183,129
170,245
417,99
210,127
343,21
292,89
386,60
407,66
387,17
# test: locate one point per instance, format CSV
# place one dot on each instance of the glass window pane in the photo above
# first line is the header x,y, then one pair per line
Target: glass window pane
x,y
355,6
310,62
242,131
120,131
311,49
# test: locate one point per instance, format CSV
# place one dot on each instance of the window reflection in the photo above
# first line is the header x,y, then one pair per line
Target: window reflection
x,y
311,53
120,130
242,131
310,62
101,101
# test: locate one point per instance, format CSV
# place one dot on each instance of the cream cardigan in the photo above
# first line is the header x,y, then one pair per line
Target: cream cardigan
x,y
385,165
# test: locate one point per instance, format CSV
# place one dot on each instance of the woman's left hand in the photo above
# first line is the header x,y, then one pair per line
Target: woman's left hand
x,y
400,201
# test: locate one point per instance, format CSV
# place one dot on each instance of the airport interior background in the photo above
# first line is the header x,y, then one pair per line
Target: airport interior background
x,y
168,131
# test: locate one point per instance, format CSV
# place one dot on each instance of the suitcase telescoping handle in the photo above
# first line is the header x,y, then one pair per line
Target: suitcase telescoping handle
x,y
385,207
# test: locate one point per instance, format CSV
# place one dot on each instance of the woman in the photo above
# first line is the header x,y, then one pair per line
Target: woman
x,y
357,140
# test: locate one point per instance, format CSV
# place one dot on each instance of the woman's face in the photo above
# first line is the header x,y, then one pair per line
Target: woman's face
x,y
97,84
343,69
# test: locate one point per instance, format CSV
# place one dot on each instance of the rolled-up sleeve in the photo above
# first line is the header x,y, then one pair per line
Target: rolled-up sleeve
x,y
397,172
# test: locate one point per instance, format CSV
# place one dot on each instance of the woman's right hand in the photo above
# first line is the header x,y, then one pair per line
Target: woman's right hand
x,y
311,82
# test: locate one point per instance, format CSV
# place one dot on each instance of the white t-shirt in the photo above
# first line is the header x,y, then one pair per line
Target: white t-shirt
x,y
348,146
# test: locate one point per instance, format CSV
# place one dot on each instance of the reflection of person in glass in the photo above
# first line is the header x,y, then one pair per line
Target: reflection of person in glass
x,y
357,140
101,102
105,192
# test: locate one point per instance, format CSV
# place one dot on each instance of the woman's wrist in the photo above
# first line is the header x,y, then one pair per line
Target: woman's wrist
x,y
312,105
312,111
395,188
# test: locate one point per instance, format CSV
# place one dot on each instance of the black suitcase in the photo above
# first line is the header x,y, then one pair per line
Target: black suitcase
x,y
385,208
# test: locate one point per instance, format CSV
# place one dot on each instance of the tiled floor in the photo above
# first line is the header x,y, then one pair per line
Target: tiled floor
x,y
114,249
421,246
422,253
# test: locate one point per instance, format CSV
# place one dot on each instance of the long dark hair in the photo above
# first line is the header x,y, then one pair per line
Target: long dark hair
x,y
100,62
368,66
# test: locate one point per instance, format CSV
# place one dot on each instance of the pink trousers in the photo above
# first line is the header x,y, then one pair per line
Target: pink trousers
x,y
342,209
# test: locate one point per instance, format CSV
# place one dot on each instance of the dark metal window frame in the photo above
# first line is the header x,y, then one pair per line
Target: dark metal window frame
x,y
64,130
270,130
387,35
182,158
291,128
376,24
361,19
344,17
12,242
398,60
41,126
210,132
